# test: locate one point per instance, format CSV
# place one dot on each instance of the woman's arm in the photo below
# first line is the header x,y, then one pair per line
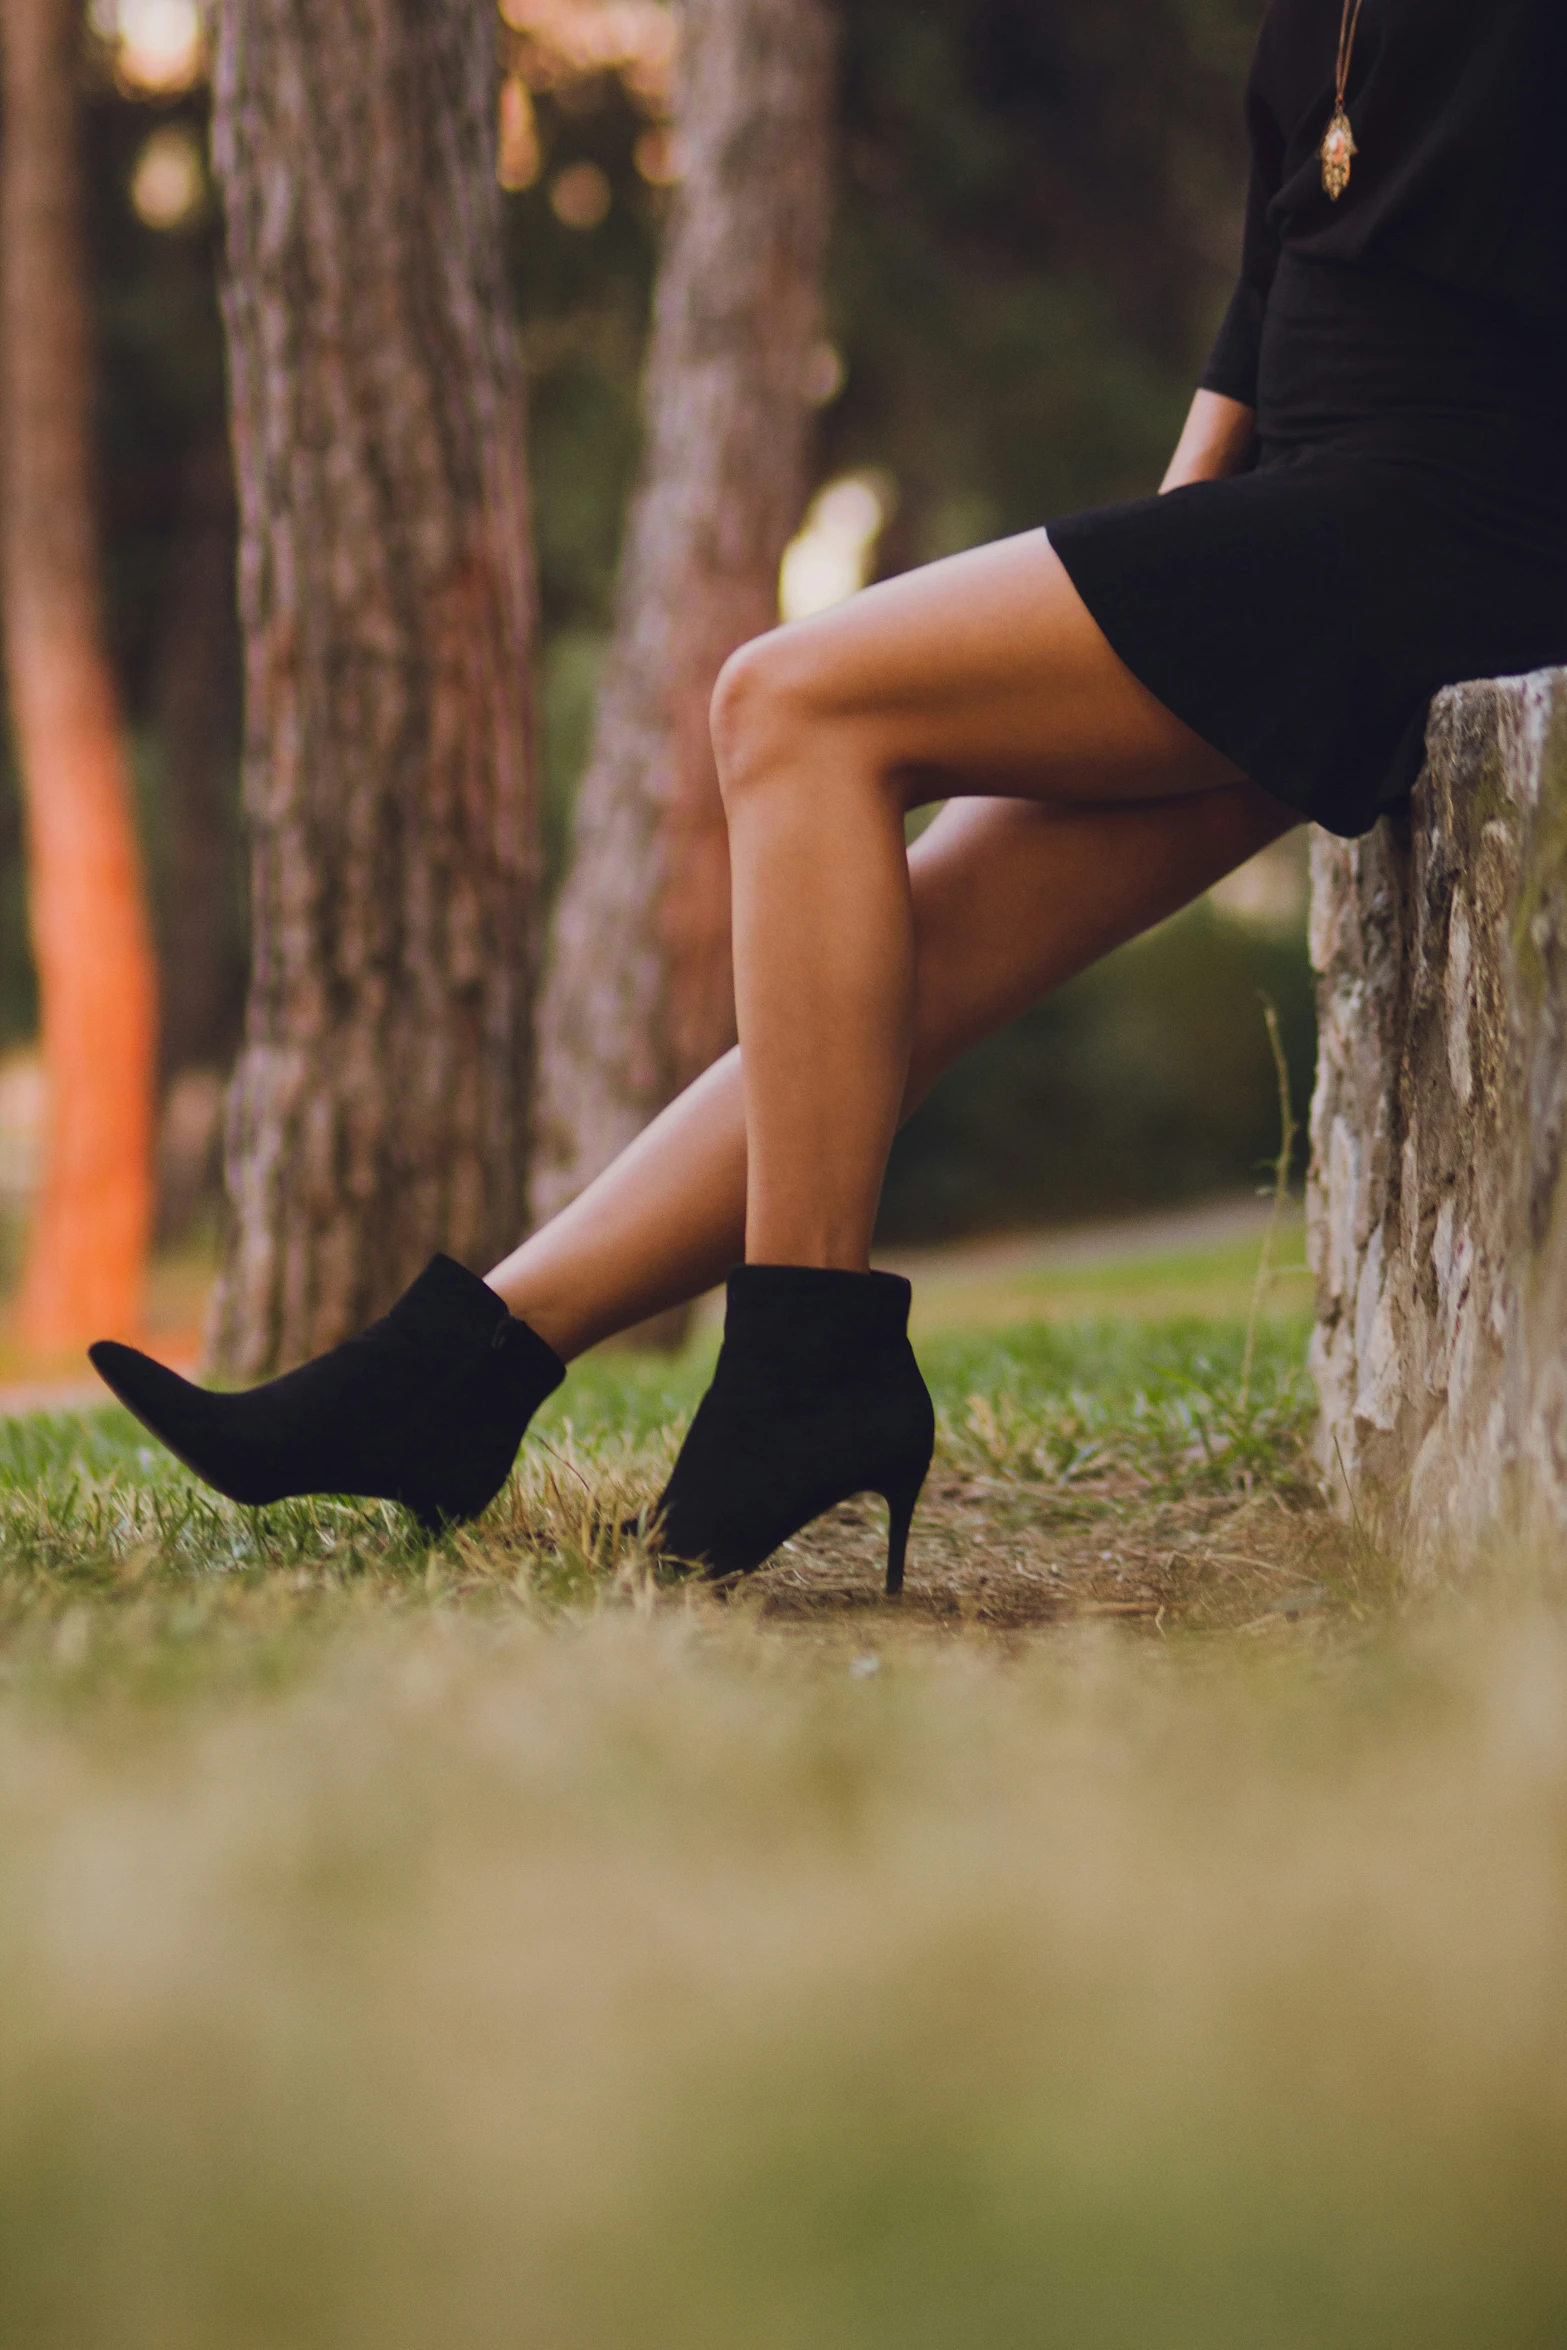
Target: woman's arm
x,y
1216,441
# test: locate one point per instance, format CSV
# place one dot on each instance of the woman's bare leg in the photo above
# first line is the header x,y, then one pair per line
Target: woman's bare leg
x,y
1010,900
981,675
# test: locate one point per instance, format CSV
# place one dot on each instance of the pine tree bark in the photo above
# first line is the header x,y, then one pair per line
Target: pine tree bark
x,y
639,997
87,903
197,709
380,1106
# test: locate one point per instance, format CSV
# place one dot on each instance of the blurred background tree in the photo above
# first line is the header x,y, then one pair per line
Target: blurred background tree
x,y
639,997
381,1105
1037,216
86,913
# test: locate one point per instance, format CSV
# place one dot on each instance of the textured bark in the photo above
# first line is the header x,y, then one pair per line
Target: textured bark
x,y
86,900
1438,1205
380,1106
198,704
640,997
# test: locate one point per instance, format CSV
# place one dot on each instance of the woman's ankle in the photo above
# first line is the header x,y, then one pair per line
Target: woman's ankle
x,y
549,1317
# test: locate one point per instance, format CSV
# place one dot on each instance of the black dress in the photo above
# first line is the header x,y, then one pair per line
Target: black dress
x,y
1403,524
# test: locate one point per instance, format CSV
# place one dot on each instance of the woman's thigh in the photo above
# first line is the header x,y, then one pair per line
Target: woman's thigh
x,y
984,673
1012,898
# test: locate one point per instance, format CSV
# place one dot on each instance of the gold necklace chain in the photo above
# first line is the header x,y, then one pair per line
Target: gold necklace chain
x,y
1338,147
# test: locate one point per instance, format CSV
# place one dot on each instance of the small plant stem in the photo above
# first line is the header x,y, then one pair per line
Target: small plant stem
x,y
1281,1187
1349,1490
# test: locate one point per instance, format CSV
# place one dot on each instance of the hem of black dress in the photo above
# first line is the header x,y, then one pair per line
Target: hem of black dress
x,y
1343,823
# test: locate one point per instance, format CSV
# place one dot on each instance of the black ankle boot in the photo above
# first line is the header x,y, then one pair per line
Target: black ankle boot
x,y
816,1397
427,1407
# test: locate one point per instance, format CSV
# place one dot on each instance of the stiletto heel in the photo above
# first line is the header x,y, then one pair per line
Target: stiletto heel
x,y
816,1397
900,1517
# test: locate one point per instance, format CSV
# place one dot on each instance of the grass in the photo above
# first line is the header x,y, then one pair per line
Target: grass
x,y
1100,1466
997,1284
1151,1932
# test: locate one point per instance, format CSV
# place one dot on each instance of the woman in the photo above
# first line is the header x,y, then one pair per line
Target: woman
x,y
1369,501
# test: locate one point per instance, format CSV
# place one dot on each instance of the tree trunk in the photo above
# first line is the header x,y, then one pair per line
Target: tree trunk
x,y
639,997
1438,1200
91,943
380,1106
197,706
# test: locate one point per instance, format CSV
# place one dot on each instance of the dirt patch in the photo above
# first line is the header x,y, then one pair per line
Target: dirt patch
x,y
1014,1559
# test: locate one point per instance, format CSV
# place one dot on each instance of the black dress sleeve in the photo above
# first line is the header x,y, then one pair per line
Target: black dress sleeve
x,y
1232,363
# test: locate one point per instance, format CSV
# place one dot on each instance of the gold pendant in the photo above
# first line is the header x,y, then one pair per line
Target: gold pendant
x,y
1337,150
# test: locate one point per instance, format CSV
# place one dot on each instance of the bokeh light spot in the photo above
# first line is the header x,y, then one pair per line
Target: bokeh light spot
x,y
658,156
580,196
159,45
169,182
825,375
832,554
518,162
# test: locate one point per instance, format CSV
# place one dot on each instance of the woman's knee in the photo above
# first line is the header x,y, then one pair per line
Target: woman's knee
x,y
788,712
760,710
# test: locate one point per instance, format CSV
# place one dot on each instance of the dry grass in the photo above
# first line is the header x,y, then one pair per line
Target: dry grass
x,y
1152,1932
658,1982
1106,1469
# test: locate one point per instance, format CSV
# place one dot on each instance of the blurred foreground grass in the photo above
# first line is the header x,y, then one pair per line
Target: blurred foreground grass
x,y
1155,1932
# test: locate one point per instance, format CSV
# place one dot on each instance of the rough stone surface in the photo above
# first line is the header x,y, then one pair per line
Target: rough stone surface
x,y
1437,1211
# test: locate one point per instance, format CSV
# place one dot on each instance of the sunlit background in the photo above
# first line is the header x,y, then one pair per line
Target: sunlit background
x,y
1036,222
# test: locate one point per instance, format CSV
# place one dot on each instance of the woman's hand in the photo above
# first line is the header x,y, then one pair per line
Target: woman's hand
x,y
1216,441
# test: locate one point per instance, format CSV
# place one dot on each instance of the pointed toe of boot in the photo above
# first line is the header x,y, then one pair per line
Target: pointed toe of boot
x,y
115,1364
157,1395
189,1420
425,1408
